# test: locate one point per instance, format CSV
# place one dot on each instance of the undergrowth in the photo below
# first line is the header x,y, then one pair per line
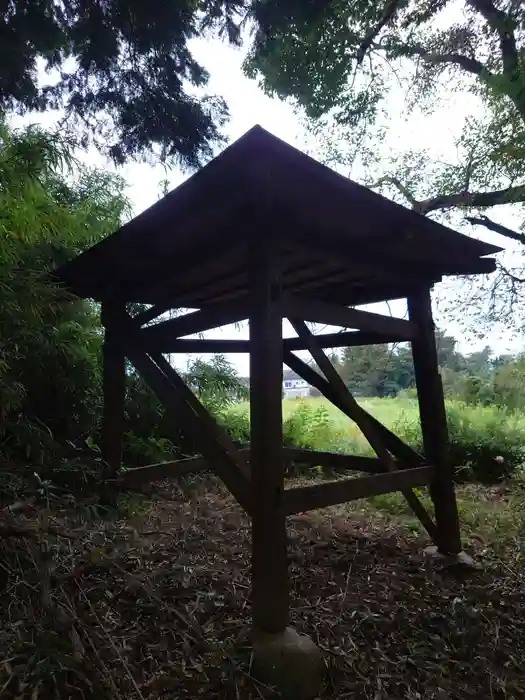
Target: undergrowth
x,y
487,443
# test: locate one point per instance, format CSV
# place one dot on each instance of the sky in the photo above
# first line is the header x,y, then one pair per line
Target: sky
x,y
248,105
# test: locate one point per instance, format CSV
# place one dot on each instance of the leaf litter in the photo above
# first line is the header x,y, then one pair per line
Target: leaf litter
x,y
154,602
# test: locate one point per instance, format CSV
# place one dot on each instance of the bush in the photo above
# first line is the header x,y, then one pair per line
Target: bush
x,y
49,342
489,441
236,424
309,427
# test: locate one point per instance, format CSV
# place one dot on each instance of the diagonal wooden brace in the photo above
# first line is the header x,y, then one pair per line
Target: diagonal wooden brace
x,y
392,442
199,424
361,418
208,422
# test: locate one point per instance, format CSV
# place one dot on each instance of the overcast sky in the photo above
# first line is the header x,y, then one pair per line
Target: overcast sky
x,y
249,106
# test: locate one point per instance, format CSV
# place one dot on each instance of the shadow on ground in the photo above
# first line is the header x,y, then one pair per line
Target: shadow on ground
x,y
156,604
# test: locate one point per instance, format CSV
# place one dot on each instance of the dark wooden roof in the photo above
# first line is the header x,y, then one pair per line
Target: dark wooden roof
x,y
341,242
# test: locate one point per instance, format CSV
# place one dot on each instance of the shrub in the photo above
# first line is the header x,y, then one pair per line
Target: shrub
x,y
488,440
49,342
309,427
237,425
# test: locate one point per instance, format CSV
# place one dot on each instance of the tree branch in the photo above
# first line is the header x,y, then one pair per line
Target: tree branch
x,y
392,180
470,65
501,23
390,10
464,200
504,26
497,228
510,275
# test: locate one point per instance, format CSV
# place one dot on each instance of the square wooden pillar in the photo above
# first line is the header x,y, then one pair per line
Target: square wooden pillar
x,y
434,423
270,601
113,390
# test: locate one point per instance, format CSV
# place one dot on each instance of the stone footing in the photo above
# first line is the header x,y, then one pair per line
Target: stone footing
x,y
290,662
461,559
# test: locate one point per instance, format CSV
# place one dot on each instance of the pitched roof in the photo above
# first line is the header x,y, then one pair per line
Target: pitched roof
x,y
290,375
340,241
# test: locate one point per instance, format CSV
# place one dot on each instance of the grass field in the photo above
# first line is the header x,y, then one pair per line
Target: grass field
x,y
391,412
490,514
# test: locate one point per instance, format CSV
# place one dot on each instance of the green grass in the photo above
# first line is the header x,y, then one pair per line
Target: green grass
x,y
390,412
487,441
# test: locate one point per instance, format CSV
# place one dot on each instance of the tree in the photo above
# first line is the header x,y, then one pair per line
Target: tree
x,y
367,370
340,61
123,72
50,209
216,382
508,384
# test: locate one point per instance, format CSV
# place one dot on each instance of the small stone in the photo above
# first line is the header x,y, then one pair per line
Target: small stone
x,y
290,662
461,559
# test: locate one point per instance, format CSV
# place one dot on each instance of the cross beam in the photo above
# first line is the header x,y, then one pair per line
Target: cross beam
x,y
337,315
214,444
298,500
360,417
345,339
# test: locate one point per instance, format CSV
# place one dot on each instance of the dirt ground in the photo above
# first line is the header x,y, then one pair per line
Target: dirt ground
x,y
155,604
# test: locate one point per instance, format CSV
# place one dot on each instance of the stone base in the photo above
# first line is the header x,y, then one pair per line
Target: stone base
x,y
460,560
290,662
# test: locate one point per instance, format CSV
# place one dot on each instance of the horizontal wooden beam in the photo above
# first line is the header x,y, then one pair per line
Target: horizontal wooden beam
x,y
202,345
345,339
392,442
338,315
334,460
138,476
204,319
298,500
326,340
194,419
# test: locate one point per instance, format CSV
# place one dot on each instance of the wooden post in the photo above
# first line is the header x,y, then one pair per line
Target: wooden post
x,y
434,423
114,392
269,556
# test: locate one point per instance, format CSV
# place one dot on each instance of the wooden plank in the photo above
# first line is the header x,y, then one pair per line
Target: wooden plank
x,y
387,260
434,423
204,319
296,277
369,292
224,462
230,345
114,392
345,339
207,421
138,476
393,443
270,596
360,417
202,345
334,460
326,340
219,260
336,315
298,500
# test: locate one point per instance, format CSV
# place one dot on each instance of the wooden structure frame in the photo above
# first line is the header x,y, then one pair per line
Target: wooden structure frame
x,y
266,233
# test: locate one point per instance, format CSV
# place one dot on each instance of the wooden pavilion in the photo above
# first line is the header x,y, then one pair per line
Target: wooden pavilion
x,y
263,232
